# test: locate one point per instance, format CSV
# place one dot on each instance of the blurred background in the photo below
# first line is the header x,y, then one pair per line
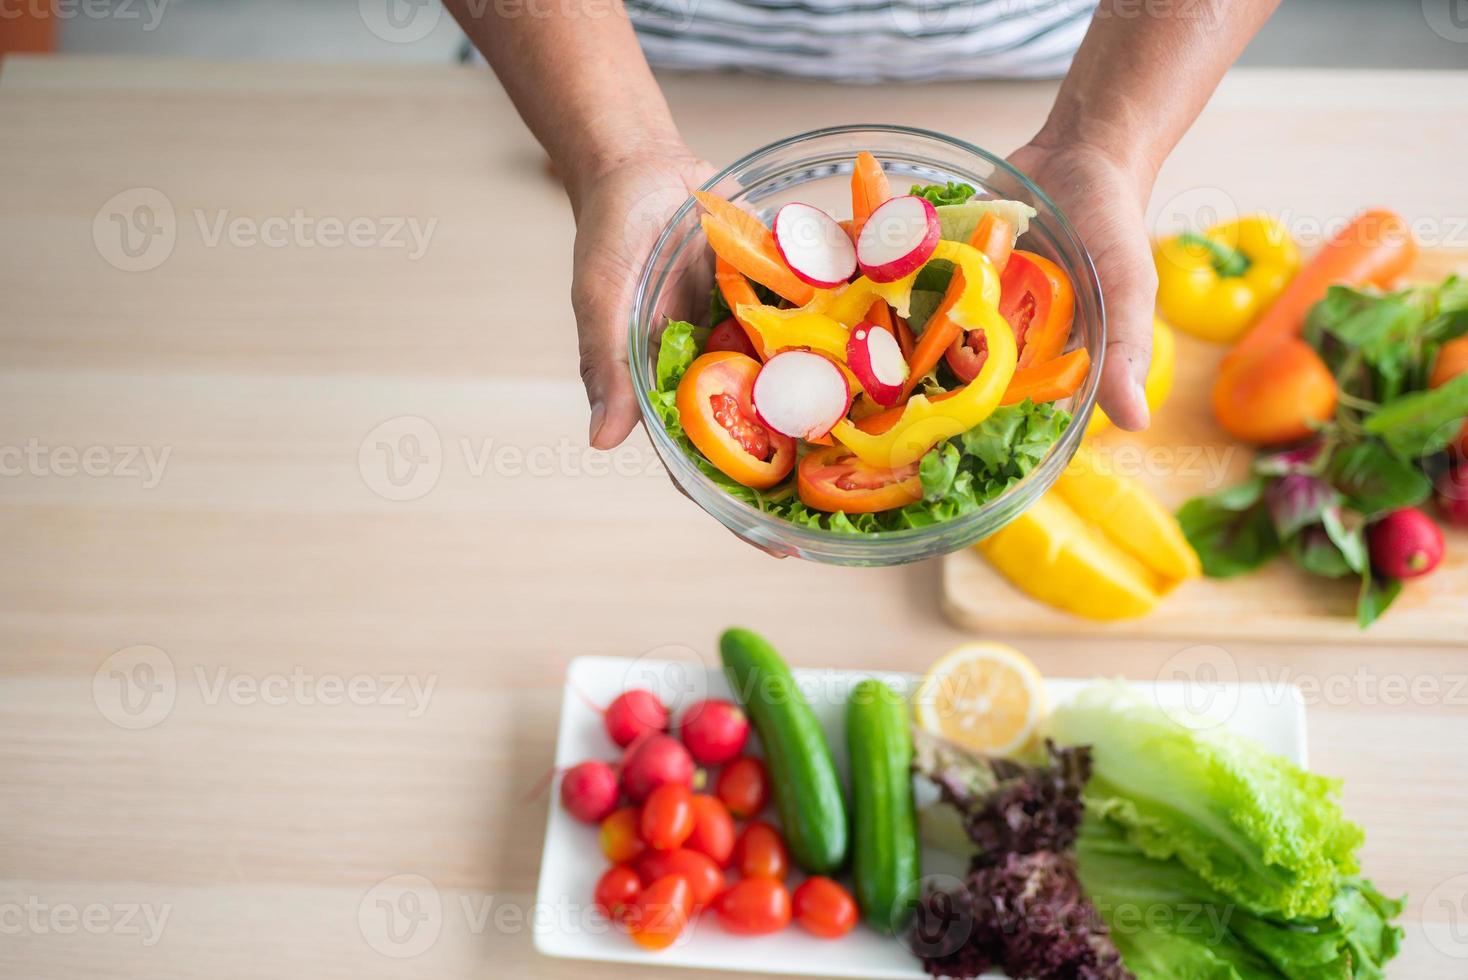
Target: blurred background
x,y
1304,33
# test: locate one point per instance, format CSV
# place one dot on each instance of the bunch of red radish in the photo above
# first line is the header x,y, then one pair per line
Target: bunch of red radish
x,y
804,393
670,847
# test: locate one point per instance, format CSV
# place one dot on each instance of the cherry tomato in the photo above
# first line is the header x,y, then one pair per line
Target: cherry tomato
x,y
704,876
754,907
616,890
667,817
1037,300
716,410
729,335
620,840
713,829
760,852
832,478
744,787
660,912
823,908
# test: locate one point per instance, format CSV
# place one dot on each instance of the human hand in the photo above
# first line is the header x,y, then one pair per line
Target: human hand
x,y
619,215
1105,200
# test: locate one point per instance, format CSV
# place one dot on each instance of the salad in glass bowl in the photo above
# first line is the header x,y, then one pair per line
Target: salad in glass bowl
x,y
874,382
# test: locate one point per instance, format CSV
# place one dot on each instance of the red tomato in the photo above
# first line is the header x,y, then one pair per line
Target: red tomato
x,y
620,840
1037,300
704,876
660,912
824,908
713,830
667,817
744,787
616,890
716,409
832,478
760,852
967,354
754,907
729,335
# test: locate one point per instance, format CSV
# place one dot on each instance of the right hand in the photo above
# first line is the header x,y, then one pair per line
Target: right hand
x,y
619,214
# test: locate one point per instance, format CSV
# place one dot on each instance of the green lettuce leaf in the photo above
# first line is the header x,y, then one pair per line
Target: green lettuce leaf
x,y
1258,829
949,193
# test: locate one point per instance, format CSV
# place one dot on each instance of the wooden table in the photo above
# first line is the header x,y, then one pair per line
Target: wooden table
x,y
354,678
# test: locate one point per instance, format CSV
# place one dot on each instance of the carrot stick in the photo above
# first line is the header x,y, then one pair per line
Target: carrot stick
x,y
869,188
1375,248
905,339
940,332
1056,378
738,238
738,292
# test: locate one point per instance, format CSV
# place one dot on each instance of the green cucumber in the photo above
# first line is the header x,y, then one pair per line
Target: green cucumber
x,y
885,862
803,776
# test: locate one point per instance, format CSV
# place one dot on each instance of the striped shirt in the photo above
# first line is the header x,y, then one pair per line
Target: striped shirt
x,y
864,40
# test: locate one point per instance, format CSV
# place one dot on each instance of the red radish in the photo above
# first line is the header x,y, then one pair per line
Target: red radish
x,y
652,761
729,335
714,731
801,394
816,248
589,791
1406,544
1452,495
634,713
876,359
898,238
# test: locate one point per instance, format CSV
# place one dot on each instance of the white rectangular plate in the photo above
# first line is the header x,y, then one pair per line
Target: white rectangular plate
x,y
566,926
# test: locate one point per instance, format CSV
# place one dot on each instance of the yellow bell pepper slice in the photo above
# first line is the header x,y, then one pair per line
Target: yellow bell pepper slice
x,y
780,329
925,423
1216,284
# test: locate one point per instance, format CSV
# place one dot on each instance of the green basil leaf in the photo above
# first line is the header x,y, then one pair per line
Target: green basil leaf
x,y
1232,531
1376,481
1421,423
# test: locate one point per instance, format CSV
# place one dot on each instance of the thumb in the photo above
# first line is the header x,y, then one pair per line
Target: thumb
x,y
1130,292
602,331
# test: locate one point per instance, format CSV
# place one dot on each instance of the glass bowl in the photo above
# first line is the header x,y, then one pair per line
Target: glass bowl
x,y
815,167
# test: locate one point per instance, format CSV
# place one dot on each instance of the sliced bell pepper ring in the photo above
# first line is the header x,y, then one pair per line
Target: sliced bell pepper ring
x,y
869,188
1039,304
738,292
738,238
781,329
1059,377
941,330
924,422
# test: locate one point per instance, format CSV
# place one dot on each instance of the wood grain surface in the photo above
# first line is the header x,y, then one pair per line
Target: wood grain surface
x,y
316,663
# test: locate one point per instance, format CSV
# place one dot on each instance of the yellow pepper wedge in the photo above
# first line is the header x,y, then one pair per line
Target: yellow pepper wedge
x,y
924,423
780,329
1216,284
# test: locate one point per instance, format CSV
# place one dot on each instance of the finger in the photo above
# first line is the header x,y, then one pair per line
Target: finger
x,y
1130,298
603,347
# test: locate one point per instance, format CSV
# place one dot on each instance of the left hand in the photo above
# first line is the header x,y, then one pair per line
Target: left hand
x,y
1105,200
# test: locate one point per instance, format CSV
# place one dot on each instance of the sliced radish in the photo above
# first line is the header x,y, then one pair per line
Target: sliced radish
x,y
898,238
816,248
801,394
875,358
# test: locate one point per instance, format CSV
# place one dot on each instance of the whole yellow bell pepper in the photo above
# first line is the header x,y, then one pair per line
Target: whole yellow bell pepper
x,y
925,422
1215,285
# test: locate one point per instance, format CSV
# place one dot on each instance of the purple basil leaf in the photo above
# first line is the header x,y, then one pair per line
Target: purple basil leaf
x,y
1296,501
1302,459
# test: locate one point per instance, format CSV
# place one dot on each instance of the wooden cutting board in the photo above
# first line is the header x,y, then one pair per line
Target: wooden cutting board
x,y
1185,454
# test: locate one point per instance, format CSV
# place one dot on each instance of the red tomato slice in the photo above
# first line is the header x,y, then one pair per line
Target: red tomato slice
x,y
1038,302
729,335
833,479
717,412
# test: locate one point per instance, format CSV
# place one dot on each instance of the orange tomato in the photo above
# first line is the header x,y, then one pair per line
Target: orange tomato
x,y
621,840
1270,395
716,409
660,912
1452,360
834,479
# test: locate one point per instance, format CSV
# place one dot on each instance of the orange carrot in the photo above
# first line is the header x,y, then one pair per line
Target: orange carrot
x,y
1374,249
738,238
869,188
1059,377
940,332
738,292
905,339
